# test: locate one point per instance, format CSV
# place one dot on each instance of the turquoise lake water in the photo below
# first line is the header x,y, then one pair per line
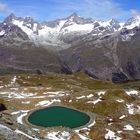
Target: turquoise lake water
x,y
58,116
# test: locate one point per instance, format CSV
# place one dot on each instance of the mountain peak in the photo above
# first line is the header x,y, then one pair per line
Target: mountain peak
x,y
28,19
73,15
10,17
135,15
113,22
135,21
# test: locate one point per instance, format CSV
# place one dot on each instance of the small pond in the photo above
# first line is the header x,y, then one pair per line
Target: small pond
x,y
55,116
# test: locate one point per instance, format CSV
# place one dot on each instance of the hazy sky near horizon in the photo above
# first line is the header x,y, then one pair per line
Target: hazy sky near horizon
x,y
44,10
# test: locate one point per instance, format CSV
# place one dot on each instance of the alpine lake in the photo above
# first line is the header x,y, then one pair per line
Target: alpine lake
x,y
56,116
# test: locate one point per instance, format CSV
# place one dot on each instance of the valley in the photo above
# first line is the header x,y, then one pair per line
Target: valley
x,y
116,106
86,67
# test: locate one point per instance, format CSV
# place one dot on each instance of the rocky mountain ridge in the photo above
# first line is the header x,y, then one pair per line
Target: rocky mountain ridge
x,y
61,32
106,50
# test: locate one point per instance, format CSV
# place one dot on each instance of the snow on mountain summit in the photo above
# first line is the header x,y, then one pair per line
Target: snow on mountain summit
x,y
61,31
133,22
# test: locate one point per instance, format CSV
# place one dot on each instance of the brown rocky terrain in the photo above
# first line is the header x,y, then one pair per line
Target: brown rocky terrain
x,y
117,106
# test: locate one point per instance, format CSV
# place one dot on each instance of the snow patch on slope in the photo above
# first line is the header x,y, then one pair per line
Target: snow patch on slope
x,y
128,127
28,136
110,135
2,33
58,135
27,30
79,28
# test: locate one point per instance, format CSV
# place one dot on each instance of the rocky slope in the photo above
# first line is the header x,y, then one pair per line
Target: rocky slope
x,y
71,44
109,58
117,107
60,33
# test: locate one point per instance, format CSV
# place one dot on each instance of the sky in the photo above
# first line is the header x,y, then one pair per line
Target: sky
x,y
46,10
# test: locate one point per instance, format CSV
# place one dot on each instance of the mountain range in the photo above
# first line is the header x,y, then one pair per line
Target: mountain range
x,y
105,50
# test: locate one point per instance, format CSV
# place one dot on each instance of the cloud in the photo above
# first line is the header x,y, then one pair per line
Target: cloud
x,y
97,9
135,13
105,9
52,9
4,8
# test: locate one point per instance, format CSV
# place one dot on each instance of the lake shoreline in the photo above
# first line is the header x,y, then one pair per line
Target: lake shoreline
x,y
92,117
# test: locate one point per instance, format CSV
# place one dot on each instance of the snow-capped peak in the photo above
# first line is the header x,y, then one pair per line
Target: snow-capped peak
x,y
113,21
112,24
58,31
133,22
10,18
27,24
74,18
115,24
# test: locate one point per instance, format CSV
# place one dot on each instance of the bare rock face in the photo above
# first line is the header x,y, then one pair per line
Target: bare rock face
x,y
109,58
10,129
20,60
12,31
2,107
